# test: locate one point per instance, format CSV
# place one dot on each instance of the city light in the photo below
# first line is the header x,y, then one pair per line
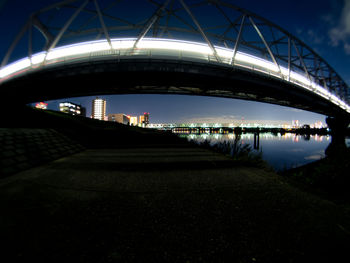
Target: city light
x,y
41,105
72,108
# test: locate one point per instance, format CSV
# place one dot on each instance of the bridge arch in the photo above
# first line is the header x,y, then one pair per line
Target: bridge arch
x,y
173,49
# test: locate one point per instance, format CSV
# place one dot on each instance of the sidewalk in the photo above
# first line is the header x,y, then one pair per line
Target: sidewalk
x,y
165,204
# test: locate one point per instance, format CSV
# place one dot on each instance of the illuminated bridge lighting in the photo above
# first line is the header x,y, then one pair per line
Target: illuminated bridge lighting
x,y
123,47
262,54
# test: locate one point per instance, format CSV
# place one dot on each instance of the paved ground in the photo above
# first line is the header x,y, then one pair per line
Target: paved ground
x,y
166,204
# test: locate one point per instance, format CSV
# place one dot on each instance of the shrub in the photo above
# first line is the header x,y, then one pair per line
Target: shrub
x,y
237,150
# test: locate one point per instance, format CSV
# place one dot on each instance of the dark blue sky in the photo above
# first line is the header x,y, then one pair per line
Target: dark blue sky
x,y
324,25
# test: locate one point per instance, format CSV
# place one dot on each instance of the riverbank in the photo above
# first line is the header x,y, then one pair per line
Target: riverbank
x,y
170,204
41,136
328,177
88,132
135,195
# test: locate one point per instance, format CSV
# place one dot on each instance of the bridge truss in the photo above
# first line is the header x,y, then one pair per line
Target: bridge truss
x,y
221,31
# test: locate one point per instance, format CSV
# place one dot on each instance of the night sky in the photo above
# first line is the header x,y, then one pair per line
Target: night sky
x,y
324,25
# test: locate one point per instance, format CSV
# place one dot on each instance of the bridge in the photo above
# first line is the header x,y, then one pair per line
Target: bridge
x,y
91,47
169,126
231,128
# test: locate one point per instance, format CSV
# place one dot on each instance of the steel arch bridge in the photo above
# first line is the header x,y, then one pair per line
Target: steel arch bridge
x,y
212,48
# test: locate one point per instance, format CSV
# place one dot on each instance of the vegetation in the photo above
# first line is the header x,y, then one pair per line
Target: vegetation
x,y
241,153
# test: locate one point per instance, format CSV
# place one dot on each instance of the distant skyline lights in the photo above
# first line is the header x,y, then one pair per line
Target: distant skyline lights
x,y
135,119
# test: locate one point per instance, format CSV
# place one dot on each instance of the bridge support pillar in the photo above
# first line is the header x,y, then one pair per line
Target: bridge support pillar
x,y
338,127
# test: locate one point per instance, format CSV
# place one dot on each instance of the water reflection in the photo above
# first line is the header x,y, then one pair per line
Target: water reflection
x,y
281,151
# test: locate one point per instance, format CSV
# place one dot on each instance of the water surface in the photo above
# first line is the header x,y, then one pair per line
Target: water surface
x,y
281,151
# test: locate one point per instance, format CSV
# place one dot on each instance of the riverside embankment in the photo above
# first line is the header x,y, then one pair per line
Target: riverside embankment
x,y
153,200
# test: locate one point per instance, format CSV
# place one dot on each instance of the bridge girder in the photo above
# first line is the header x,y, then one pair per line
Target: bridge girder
x,y
152,76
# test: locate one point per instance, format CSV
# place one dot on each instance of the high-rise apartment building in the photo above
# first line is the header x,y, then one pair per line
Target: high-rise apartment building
x,y
98,109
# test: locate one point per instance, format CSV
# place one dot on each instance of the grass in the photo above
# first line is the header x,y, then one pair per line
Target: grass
x,y
241,153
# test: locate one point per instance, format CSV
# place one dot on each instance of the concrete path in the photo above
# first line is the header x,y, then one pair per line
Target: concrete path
x,y
165,204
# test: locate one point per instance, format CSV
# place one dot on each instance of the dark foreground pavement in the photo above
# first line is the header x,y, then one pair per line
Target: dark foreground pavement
x,y
164,205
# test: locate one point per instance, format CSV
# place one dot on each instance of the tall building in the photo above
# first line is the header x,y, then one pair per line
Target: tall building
x,y
144,119
72,108
141,120
120,118
98,109
133,120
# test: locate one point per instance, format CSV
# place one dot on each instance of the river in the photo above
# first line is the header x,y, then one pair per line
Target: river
x,y
281,151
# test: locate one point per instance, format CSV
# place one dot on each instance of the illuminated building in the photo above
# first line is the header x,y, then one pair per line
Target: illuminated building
x,y
295,124
141,120
120,118
98,109
133,120
318,125
72,108
41,105
144,119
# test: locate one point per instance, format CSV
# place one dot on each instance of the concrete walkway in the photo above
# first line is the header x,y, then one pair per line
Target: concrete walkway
x,y
164,204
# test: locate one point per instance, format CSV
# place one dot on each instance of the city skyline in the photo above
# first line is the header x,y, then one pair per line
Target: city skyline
x,y
326,30
135,109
